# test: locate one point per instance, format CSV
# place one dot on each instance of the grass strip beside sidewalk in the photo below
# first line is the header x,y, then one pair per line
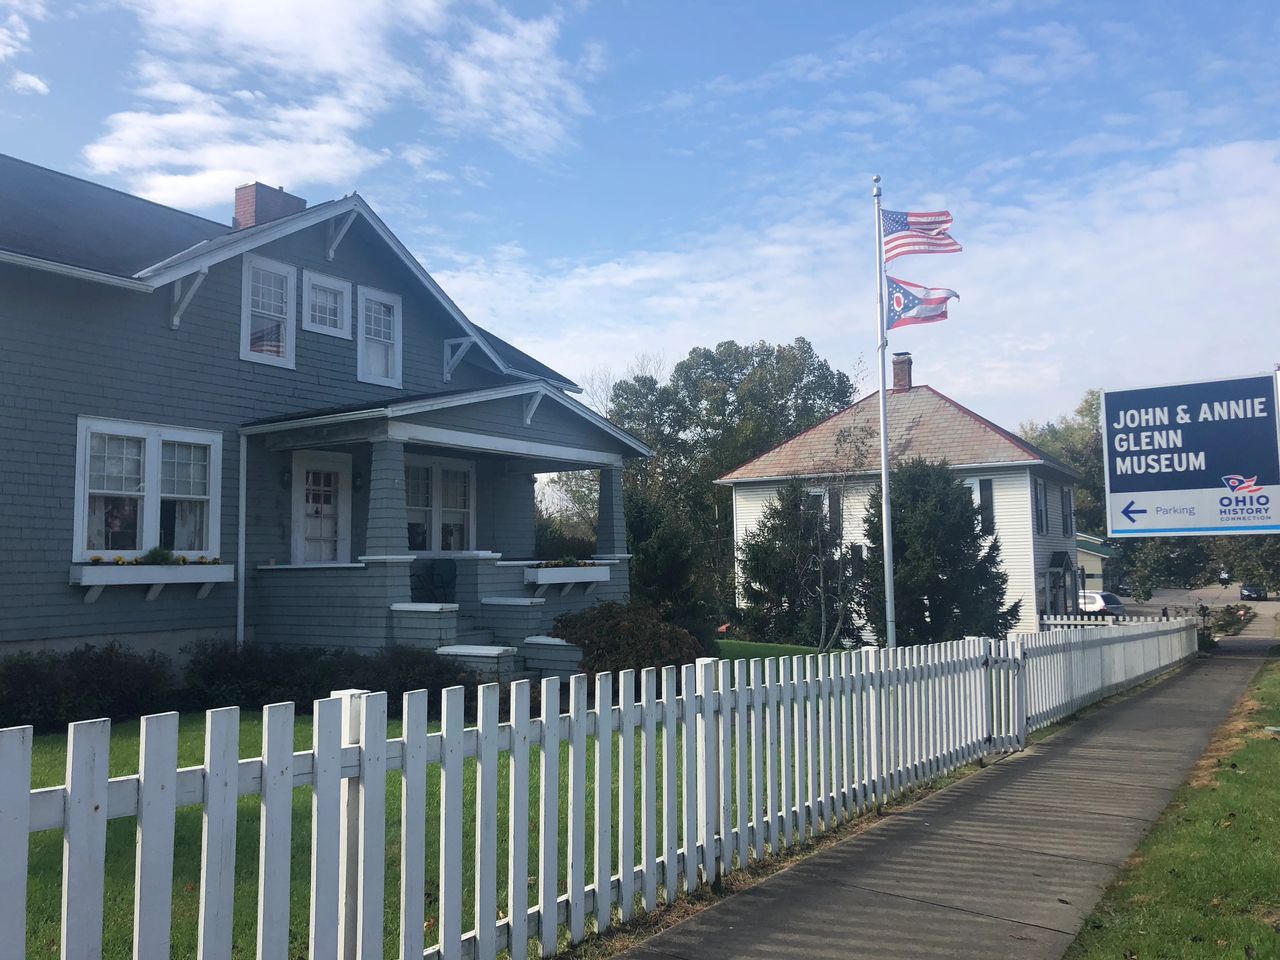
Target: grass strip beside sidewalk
x,y
1206,880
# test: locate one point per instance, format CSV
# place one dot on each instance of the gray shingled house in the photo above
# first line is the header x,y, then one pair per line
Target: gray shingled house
x,y
293,408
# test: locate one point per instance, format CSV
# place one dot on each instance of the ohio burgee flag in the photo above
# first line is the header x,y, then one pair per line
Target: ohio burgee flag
x,y
911,303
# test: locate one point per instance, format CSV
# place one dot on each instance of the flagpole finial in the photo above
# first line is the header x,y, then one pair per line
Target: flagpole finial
x,y
875,190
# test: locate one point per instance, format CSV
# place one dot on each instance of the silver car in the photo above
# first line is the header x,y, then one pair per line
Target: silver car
x,y
1101,601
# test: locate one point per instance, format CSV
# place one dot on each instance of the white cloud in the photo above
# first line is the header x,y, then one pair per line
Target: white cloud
x,y
287,91
15,25
22,82
509,80
1125,278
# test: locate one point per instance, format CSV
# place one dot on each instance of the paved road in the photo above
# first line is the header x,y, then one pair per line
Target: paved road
x,y
1005,864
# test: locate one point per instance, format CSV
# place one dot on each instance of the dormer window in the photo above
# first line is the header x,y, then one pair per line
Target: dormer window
x,y
326,305
381,332
267,312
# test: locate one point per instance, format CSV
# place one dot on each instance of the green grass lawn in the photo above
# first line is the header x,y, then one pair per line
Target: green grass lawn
x,y
45,872
748,650
1206,881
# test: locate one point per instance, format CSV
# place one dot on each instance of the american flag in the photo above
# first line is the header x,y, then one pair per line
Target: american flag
x,y
910,232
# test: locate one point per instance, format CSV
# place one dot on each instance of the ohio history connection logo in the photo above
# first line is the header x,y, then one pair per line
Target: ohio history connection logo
x,y
1247,499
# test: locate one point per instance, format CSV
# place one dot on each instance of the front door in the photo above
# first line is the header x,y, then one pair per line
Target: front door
x,y
321,507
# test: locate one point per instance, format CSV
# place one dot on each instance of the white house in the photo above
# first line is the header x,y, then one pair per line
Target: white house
x,y
1026,495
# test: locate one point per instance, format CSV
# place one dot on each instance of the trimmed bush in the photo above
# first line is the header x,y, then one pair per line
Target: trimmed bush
x,y
219,674
615,636
49,690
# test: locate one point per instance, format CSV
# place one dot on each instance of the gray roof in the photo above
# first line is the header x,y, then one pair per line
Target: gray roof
x,y
56,217
63,219
922,423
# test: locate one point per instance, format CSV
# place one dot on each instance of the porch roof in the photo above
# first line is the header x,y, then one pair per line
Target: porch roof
x,y
401,407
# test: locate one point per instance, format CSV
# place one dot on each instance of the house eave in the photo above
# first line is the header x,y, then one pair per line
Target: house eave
x,y
78,273
394,411
863,474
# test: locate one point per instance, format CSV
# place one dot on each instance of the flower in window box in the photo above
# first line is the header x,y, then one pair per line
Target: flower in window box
x,y
181,561
216,560
119,561
95,559
202,560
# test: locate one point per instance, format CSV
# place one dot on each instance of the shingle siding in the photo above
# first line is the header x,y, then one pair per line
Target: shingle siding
x,y
73,348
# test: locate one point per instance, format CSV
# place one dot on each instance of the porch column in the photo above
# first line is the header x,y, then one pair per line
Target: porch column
x,y
387,534
611,528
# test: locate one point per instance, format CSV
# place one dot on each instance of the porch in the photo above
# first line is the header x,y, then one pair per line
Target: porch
x,y
388,528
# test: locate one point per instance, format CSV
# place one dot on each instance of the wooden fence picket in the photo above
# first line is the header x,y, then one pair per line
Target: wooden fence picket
x,y
576,821
649,786
218,857
326,829
603,848
549,818
690,755
153,862
757,818
741,723
786,833
724,750
518,823
15,826
413,821
373,830
626,793
275,834
670,798
485,895
708,770
449,891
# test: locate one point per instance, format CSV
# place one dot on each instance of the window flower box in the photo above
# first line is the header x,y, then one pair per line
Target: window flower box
x,y
155,577
542,578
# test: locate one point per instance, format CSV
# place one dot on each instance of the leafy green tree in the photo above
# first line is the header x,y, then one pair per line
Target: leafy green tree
x,y
1076,439
797,577
664,567
717,409
1248,559
1150,563
948,582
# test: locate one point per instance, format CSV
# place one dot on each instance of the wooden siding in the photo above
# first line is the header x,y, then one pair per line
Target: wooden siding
x,y
1011,491
75,348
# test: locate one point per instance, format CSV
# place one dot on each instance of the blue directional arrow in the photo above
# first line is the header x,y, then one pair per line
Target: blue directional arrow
x,y
1129,511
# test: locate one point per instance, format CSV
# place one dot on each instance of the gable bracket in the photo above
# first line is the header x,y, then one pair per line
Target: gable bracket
x,y
530,405
454,350
182,301
337,234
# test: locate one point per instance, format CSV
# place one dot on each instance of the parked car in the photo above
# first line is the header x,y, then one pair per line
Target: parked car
x,y
1101,601
1253,592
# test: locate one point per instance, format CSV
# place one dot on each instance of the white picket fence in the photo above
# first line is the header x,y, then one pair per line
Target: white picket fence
x,y
1072,667
716,765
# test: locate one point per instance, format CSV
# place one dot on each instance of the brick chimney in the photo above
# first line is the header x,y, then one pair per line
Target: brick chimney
x,y
257,203
901,371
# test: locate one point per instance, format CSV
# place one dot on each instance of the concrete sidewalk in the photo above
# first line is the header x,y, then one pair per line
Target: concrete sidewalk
x,y
1005,864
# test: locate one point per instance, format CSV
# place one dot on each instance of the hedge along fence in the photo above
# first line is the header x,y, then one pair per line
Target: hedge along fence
x,y
658,794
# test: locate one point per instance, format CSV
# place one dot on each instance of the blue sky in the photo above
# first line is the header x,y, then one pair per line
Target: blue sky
x,y
598,180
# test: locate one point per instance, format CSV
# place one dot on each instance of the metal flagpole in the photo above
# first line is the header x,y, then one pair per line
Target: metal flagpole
x,y
890,615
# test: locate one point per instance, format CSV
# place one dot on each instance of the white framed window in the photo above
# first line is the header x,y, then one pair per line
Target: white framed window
x,y
440,496
379,337
1042,506
326,305
321,507
143,485
267,300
